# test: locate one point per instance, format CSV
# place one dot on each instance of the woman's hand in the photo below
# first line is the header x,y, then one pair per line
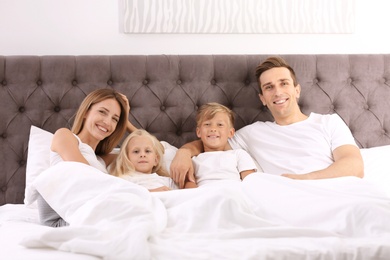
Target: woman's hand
x,y
124,97
129,126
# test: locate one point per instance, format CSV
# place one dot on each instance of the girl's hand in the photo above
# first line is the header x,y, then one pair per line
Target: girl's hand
x,y
162,188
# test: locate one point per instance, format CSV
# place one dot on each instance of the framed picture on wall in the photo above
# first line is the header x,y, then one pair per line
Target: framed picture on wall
x,y
237,16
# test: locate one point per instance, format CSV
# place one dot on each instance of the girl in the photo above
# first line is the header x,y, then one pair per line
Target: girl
x,y
99,125
140,161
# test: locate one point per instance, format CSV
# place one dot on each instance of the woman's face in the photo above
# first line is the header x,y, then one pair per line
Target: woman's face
x,y
141,153
101,119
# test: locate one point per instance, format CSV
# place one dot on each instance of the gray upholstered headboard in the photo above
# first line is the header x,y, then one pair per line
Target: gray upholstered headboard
x,y
165,92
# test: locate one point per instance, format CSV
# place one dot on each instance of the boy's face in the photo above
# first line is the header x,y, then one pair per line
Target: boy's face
x,y
215,132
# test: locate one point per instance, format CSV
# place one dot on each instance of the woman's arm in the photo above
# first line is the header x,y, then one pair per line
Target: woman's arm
x,y
67,146
130,127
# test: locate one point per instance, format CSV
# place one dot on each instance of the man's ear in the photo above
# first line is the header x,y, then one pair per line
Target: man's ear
x,y
262,99
298,90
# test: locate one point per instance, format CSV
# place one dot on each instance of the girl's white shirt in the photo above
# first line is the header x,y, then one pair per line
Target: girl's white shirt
x,y
150,180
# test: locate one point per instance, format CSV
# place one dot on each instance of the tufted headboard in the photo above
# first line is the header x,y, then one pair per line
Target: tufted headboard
x,y
166,90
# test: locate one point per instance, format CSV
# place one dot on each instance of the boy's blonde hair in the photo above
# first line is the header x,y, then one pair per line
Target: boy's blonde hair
x,y
208,111
123,166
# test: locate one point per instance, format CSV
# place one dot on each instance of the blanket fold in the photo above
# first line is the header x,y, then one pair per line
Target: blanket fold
x,y
108,216
114,219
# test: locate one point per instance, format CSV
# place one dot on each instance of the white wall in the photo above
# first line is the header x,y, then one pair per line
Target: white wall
x,y
83,27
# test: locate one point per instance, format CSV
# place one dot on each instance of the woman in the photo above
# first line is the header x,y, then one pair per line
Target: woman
x,y
99,125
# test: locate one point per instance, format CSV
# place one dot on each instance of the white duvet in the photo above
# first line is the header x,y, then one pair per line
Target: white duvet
x,y
264,216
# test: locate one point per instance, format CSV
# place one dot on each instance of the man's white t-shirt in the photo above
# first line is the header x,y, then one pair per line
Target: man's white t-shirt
x,y
221,165
298,148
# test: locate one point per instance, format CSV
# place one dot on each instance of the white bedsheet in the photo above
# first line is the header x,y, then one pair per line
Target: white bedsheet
x,y
263,217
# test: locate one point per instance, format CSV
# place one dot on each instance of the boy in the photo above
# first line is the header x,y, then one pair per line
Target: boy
x,y
215,125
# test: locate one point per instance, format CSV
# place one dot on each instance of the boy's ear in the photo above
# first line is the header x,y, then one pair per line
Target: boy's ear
x,y
231,132
198,132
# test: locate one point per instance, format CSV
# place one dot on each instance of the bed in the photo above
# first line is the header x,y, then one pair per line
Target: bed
x,y
114,219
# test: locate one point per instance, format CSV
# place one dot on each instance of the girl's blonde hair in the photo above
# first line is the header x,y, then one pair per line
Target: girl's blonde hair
x,y
123,166
109,143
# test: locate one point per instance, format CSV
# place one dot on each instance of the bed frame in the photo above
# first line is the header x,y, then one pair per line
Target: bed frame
x,y
165,91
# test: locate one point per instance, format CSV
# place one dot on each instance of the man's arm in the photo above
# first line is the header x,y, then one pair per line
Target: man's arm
x,y
347,162
181,166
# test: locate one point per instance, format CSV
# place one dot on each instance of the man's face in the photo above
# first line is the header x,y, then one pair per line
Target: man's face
x,y
279,93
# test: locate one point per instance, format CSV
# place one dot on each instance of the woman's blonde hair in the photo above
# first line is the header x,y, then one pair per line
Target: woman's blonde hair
x,y
109,143
123,166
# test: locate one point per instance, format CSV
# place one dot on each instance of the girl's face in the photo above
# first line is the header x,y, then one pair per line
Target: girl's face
x,y
141,153
101,120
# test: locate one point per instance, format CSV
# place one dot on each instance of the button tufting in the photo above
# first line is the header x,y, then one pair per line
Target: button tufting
x,y
247,82
196,107
315,81
22,109
74,82
109,82
57,109
349,80
145,82
4,189
22,162
366,107
4,135
178,132
39,82
4,82
162,108
213,82
178,82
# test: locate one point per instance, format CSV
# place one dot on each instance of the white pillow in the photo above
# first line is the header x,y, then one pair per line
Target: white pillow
x,y
377,166
169,154
38,157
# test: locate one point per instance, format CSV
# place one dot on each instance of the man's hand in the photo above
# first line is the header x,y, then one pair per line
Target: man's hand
x,y
181,167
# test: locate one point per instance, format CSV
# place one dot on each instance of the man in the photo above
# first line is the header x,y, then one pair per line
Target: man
x,y
295,145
